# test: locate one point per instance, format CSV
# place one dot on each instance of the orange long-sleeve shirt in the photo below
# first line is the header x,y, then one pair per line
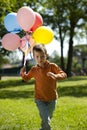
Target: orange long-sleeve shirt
x,y
45,86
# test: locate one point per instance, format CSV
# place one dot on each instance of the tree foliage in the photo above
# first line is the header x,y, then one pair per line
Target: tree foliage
x,y
80,52
64,16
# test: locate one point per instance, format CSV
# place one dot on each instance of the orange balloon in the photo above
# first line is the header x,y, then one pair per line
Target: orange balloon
x,y
38,21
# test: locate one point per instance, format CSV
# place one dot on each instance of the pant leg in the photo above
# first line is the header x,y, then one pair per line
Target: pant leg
x,y
44,114
51,107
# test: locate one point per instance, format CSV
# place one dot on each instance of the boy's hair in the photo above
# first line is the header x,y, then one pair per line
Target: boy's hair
x,y
40,48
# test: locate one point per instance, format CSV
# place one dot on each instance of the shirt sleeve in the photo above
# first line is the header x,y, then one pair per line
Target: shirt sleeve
x,y
57,70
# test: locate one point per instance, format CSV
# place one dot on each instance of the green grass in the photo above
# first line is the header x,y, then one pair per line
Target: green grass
x,y
19,112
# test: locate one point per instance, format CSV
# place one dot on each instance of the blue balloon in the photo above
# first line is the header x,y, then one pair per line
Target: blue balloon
x,y
11,23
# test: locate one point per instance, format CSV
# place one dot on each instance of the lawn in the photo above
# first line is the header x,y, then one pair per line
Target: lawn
x,y
19,112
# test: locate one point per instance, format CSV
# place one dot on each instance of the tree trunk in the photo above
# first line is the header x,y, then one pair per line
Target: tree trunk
x,y
23,59
70,54
61,40
62,58
83,63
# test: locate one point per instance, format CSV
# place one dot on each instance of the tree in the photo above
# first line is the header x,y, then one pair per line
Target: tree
x,y
80,51
5,8
76,12
52,13
64,17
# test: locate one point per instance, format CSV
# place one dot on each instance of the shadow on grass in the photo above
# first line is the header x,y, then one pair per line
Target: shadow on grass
x,y
75,91
75,78
14,83
6,94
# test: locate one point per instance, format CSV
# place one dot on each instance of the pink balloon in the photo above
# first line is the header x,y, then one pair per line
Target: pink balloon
x,y
11,41
26,18
38,21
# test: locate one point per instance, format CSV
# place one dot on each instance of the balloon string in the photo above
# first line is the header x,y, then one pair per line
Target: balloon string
x,y
30,50
31,55
26,53
24,59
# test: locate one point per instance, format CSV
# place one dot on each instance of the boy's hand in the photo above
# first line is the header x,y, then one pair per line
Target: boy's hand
x,y
52,75
22,70
57,76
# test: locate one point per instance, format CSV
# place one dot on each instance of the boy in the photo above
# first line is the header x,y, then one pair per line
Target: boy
x,y
45,74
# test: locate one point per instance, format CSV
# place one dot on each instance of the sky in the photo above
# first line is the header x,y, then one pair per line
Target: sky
x,y
55,46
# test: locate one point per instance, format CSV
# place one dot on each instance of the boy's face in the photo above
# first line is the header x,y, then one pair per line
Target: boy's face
x,y
39,57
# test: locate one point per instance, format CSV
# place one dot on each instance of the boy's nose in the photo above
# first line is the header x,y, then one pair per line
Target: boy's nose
x,y
40,59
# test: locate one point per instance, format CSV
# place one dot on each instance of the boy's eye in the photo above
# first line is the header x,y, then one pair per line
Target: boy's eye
x,y
37,56
42,56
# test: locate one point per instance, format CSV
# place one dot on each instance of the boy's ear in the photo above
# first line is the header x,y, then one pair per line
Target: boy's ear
x,y
47,56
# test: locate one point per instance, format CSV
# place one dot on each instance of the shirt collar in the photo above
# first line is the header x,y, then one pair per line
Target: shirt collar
x,y
46,64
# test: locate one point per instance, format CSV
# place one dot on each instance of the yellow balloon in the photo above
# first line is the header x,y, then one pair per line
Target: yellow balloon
x,y
43,35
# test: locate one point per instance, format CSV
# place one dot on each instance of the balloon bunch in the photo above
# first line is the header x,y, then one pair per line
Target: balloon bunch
x,y
32,23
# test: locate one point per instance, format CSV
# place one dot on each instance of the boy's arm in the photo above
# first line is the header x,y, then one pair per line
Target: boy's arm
x,y
22,71
57,73
59,76
24,75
